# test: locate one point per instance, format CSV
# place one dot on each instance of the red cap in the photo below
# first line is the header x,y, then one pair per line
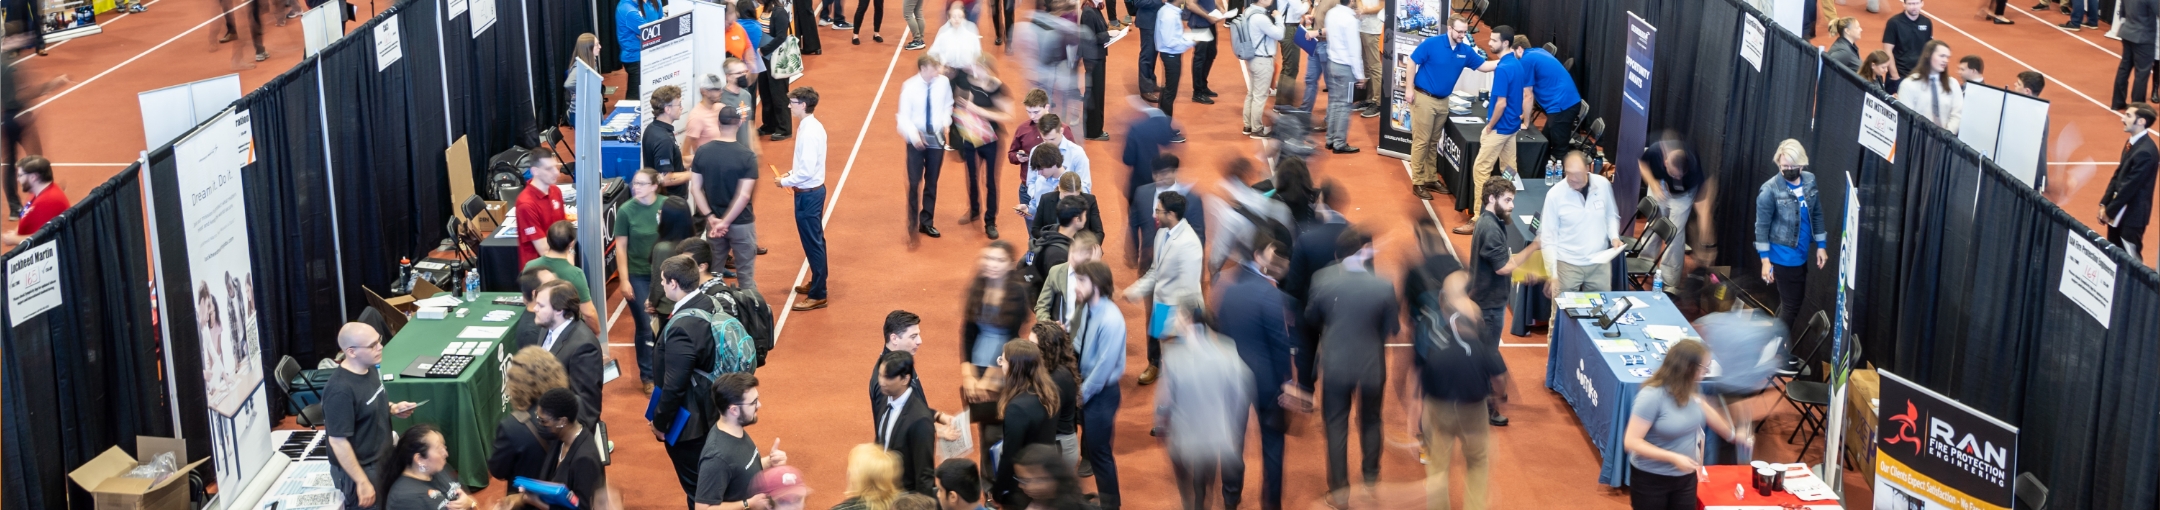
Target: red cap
x,y
780,481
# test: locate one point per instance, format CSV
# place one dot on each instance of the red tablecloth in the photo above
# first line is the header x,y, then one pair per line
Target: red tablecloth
x,y
1716,492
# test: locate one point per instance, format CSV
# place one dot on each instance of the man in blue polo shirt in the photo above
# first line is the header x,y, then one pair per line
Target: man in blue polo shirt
x,y
1439,61
1555,92
1504,118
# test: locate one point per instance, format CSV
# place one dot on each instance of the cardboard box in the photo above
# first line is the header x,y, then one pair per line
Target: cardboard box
x,y
105,478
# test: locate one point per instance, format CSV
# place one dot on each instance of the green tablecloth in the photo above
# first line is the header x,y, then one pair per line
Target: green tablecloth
x,y
467,407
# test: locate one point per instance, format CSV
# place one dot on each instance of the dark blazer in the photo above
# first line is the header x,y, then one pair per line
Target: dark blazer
x,y
1145,138
1026,422
2130,192
579,352
1046,214
581,470
877,397
1313,249
683,350
776,31
1259,323
2136,23
1844,53
518,452
914,439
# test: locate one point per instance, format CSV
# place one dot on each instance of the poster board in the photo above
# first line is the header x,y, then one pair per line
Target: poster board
x,y
170,112
1933,453
322,25
2006,127
677,52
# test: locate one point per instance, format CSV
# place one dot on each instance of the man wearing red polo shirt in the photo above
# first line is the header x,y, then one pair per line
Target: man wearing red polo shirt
x,y
539,206
34,175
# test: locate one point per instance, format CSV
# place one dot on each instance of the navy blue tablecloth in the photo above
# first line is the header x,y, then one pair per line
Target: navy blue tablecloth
x,y
1598,385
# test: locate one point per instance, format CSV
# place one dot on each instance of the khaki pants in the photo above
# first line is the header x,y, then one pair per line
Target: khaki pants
x,y
1372,66
1494,150
1260,78
1428,115
1446,423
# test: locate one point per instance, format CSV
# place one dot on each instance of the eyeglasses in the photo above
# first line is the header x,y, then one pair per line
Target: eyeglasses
x,y
754,404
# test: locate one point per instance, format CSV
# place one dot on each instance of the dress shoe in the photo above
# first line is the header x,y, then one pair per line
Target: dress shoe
x,y
1148,376
1151,98
855,41
1497,420
802,289
877,37
2073,27
1421,192
990,230
761,250
1435,187
1999,20
228,37
1100,137
1464,229
1343,149
778,137
929,231
810,304
1203,99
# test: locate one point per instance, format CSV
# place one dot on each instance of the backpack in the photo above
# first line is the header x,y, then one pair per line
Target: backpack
x,y
1241,36
749,311
1262,223
733,350
1052,45
1035,268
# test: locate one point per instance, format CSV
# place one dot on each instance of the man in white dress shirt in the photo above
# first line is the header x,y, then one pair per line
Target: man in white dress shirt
x,y
1345,71
807,178
926,105
1579,222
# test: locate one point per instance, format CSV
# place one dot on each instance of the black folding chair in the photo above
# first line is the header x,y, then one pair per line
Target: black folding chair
x,y
287,370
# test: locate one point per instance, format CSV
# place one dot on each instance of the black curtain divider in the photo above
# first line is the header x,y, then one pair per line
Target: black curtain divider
x,y
85,376
1925,352
497,103
292,233
2124,454
603,27
463,93
427,133
1766,107
366,153
559,25
1694,77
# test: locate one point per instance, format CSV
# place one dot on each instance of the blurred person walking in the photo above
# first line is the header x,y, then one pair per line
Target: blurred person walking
x,y
1201,410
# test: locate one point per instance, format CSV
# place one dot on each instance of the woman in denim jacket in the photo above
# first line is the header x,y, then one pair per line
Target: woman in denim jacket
x,y
1785,208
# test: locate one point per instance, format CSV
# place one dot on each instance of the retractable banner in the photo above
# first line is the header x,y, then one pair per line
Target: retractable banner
x,y
1415,20
1933,453
1634,107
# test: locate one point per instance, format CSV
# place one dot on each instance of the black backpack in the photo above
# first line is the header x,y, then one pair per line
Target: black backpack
x,y
749,308
1034,267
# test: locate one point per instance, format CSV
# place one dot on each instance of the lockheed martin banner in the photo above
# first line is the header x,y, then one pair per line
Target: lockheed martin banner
x,y
1935,454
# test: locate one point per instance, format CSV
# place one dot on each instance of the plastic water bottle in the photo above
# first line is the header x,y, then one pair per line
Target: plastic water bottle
x,y
1552,173
472,284
1657,282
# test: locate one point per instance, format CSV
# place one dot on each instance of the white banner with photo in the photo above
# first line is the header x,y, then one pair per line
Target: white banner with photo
x,y
213,216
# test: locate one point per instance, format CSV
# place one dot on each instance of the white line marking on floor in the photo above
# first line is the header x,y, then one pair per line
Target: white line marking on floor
x,y
79,85
1999,51
2088,42
1429,211
2073,163
832,202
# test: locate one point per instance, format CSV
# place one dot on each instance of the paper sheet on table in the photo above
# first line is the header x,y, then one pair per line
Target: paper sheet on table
x,y
441,301
488,332
957,448
1637,302
1617,346
1664,332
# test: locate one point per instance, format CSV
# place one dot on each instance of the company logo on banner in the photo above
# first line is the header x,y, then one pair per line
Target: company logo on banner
x,y
1937,454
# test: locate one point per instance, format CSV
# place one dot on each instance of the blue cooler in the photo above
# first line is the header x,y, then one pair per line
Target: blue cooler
x,y
619,141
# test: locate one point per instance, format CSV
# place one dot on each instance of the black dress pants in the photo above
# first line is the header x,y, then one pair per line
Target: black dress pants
x,y
1337,391
922,173
1095,94
2137,60
1173,70
1559,129
1203,61
1148,55
772,99
1791,291
982,177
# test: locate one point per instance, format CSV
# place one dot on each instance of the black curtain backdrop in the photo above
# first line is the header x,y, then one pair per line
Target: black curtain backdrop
x,y
1766,107
558,25
85,376
293,236
366,151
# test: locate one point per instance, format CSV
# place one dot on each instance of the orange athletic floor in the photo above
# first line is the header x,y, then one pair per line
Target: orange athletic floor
x,y
812,389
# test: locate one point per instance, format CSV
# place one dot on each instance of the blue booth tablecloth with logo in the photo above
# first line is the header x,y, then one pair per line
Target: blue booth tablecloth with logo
x,y
1599,385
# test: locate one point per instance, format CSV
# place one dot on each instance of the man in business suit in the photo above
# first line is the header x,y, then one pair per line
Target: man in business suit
x,y
2135,27
686,346
525,332
2127,207
555,309
903,333
1256,316
1145,139
1175,277
905,424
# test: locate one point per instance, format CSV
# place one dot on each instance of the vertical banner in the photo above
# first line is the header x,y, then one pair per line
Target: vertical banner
x,y
1937,454
1842,365
667,61
207,273
1415,20
591,209
1634,111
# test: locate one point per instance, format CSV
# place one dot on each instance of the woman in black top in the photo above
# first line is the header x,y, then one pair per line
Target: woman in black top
x,y
1064,364
521,447
979,105
419,477
1880,69
578,465
1028,400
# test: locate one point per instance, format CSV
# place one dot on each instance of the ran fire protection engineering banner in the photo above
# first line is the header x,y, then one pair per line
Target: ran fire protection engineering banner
x,y
1936,454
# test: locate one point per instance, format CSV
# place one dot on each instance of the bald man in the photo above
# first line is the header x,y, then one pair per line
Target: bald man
x,y
356,413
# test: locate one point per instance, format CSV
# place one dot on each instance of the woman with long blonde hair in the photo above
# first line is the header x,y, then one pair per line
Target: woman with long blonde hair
x,y
873,476
1664,432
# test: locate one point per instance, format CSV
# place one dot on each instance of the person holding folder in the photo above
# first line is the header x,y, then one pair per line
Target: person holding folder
x,y
678,405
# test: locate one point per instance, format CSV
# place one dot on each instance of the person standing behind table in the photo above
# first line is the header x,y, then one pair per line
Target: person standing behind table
x,y
1355,311
660,150
629,15
1345,72
906,426
1201,411
579,467
522,447
1171,44
1461,378
418,473
1098,333
730,459
1931,91
1439,63
1676,180
686,347
1789,219
1664,431
807,178
2127,207
1093,59
2135,27
1255,315
980,101
1845,51
47,200
1554,92
926,105
539,206
575,347
1028,403
729,173
870,475
356,417
1266,33
1904,34
1879,70
772,92
637,230
1174,277
1578,222
561,241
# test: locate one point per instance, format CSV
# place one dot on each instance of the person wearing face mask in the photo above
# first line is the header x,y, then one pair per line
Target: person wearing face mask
x,y
1355,311
1789,219
419,476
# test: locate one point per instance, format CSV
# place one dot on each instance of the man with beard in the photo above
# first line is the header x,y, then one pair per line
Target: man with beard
x,y
731,460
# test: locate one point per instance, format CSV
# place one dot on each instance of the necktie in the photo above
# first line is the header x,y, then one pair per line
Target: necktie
x,y
928,132
1935,91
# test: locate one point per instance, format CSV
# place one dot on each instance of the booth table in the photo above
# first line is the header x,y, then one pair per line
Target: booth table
x,y
1529,302
465,407
1715,492
1598,385
498,261
1459,146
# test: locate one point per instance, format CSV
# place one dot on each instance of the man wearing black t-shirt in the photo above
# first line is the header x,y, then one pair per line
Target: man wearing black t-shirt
x,y
660,152
356,413
1904,34
728,171
730,460
1458,375
1674,175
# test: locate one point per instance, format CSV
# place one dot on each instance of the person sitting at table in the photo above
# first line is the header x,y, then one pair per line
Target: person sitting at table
x,y
575,347
561,243
1664,431
522,449
418,472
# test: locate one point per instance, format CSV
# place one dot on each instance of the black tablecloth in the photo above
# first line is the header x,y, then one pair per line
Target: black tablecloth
x,y
1459,147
